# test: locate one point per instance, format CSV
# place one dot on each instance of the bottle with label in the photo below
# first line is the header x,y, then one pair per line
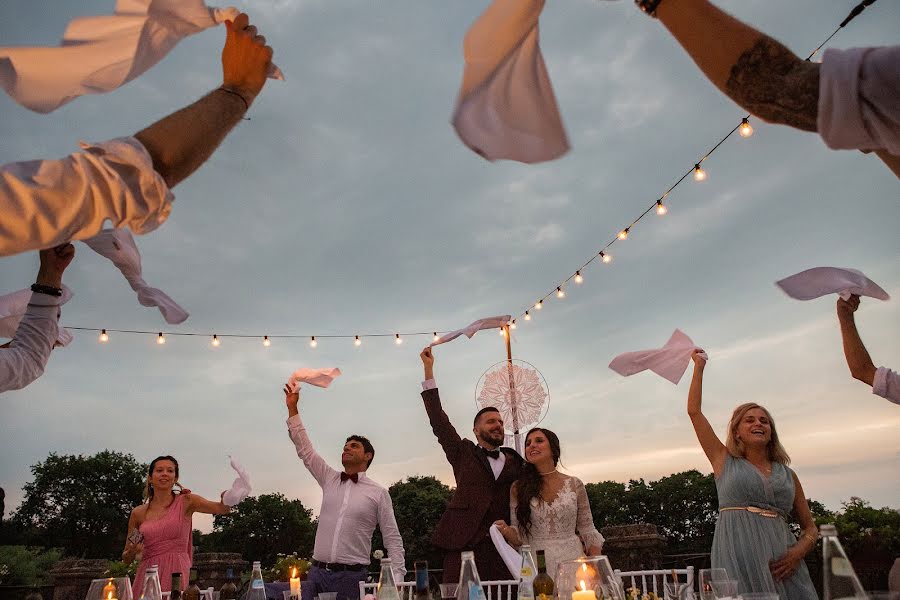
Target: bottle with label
x,y
527,573
229,590
422,590
387,588
151,589
193,590
839,578
257,590
175,588
543,583
469,581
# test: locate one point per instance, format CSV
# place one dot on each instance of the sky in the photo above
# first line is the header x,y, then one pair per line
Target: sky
x,y
347,205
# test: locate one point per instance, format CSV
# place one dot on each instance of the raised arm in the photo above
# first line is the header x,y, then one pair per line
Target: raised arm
x,y
787,564
443,429
712,446
314,463
590,537
858,359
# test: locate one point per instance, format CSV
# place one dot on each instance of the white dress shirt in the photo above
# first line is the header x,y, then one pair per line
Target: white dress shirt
x,y
886,384
25,359
46,203
350,511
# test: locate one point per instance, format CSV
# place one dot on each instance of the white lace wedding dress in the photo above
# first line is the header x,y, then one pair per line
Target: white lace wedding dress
x,y
562,528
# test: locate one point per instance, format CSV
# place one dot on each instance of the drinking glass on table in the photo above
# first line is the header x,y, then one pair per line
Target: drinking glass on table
x,y
725,588
707,576
448,590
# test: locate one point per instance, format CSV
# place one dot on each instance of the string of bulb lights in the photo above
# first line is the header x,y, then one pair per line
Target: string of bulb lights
x,y
699,174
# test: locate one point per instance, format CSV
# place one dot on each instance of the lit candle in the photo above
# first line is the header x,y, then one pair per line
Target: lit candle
x,y
584,593
295,584
109,590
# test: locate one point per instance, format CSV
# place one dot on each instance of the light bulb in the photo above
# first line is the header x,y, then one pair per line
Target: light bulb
x,y
605,257
397,339
539,305
436,337
104,337
745,129
312,342
160,339
661,208
512,324
527,316
699,173
503,331
623,235
215,340
266,341
578,277
560,293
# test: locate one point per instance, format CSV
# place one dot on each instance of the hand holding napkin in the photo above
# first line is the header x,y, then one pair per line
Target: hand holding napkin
x,y
820,281
471,329
669,362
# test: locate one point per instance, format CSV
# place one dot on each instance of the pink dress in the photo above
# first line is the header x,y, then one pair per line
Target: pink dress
x,y
168,543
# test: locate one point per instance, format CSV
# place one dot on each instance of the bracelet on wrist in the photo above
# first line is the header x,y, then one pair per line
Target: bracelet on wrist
x,y
648,6
238,94
38,288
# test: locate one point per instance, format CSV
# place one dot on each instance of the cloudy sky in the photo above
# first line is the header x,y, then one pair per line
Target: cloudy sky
x,y
347,205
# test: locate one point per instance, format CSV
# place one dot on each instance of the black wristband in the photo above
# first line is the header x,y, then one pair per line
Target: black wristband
x,y
37,288
239,95
648,6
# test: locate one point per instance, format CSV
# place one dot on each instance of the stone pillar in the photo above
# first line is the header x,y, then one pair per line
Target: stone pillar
x,y
72,577
211,567
633,547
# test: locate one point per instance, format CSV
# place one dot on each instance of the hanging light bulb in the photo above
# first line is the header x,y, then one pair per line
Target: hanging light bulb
x,y
661,208
623,235
397,339
357,341
539,305
503,331
160,339
215,340
104,337
527,316
266,341
560,293
312,342
745,129
435,337
605,257
578,277
699,173
512,324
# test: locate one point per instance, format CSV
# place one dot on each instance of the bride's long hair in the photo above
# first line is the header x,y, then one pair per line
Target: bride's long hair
x,y
530,481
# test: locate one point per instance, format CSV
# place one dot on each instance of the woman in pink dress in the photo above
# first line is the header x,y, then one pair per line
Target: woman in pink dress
x,y
160,530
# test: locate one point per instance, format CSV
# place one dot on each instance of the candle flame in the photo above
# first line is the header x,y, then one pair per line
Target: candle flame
x,y
584,568
583,587
294,573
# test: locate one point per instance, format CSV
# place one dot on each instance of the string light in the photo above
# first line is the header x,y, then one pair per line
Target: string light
x,y
357,341
435,337
104,337
160,339
539,305
578,277
560,293
661,208
266,341
527,316
699,173
215,340
745,129
623,235
503,332
312,342
512,324
605,257
397,339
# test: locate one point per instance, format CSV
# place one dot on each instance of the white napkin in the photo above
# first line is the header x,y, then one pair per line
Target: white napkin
x,y
473,328
669,362
821,281
13,307
510,556
118,246
506,107
319,377
100,54
240,489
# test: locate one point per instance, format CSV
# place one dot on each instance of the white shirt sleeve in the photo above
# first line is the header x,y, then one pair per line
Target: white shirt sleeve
x,y
428,384
45,203
313,461
858,92
25,359
390,533
886,384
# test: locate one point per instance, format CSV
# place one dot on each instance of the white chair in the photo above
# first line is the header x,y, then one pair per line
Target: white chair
x,y
652,580
494,590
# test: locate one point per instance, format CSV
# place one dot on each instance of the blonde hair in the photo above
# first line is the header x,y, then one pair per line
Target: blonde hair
x,y
774,449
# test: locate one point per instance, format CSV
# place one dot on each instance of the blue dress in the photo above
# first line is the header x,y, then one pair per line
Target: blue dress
x,y
745,542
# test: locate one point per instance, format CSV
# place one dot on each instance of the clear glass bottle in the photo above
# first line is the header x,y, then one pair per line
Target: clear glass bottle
x,y
469,581
839,578
422,589
387,588
151,589
257,590
527,573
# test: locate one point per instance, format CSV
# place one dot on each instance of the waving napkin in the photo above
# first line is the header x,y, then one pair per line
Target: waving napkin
x,y
510,556
473,328
13,307
118,246
240,489
319,377
669,362
821,281
100,54
506,107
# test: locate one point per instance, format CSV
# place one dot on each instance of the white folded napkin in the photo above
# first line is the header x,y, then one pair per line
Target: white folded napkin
x,y
319,377
669,362
118,246
506,107
13,307
240,489
473,328
510,555
102,53
820,281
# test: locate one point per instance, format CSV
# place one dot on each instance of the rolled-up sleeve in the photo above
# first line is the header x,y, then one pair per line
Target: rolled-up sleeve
x,y
24,360
45,203
859,90
886,384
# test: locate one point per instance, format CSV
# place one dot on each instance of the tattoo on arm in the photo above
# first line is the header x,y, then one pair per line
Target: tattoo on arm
x,y
774,84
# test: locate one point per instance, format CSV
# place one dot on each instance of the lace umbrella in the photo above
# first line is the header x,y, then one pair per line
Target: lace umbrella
x,y
519,391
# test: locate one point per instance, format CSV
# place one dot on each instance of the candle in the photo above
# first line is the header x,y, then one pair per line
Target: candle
x,y
295,584
584,593
109,590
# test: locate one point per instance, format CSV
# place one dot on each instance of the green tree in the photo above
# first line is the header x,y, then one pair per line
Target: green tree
x,y
261,527
81,503
22,565
607,500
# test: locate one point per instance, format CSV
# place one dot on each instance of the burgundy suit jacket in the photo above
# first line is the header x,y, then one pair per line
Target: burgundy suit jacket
x,y
479,499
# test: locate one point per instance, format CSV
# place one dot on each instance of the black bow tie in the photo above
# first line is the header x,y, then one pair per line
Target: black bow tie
x,y
495,454
345,476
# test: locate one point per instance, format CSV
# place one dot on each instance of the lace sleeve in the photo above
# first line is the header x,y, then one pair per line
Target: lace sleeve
x,y
514,521
585,525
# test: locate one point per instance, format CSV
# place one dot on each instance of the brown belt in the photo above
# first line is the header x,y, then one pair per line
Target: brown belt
x,y
771,514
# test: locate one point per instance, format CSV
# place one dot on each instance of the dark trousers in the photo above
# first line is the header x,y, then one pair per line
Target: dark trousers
x,y
345,583
490,566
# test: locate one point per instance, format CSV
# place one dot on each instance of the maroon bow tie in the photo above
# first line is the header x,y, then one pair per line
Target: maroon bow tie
x,y
345,476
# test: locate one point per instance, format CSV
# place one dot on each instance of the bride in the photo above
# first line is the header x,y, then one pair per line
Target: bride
x,y
549,510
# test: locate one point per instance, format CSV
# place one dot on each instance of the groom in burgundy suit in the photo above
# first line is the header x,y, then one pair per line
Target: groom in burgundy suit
x,y
484,472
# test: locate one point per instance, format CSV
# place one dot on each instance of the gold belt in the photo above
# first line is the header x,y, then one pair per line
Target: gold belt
x,y
771,514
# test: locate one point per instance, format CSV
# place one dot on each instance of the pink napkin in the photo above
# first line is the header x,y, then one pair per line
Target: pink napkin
x,y
473,328
100,54
821,281
669,362
240,489
506,107
319,377
13,307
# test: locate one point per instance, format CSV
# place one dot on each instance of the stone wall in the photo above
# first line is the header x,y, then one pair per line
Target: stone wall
x,y
72,577
633,547
211,567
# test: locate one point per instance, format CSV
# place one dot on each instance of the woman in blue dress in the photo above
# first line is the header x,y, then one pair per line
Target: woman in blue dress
x,y
757,495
